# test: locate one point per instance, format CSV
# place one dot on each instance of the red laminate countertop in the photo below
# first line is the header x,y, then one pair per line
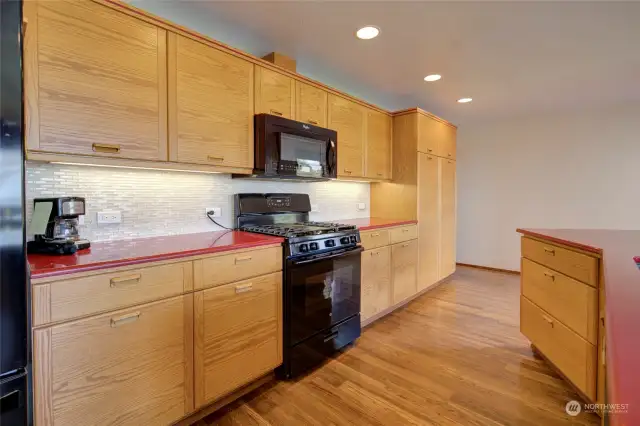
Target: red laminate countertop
x,y
368,223
622,291
111,254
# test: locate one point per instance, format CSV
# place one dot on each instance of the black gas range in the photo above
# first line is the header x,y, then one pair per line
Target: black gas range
x,y
321,277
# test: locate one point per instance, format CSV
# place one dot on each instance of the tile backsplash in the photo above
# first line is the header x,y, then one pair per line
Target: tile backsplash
x,y
155,203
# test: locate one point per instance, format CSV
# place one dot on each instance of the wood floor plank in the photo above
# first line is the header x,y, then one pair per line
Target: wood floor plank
x,y
454,356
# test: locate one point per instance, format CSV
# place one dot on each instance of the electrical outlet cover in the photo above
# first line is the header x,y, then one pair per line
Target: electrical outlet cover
x,y
361,206
109,217
217,211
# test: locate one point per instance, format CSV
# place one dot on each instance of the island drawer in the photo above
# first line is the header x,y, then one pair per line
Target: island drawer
x,y
73,298
574,303
226,268
572,263
403,233
374,238
571,354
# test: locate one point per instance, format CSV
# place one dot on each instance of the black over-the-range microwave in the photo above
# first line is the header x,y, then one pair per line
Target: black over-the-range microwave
x,y
289,149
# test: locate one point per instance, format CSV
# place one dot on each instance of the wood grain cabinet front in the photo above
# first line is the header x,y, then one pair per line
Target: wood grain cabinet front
x,y
210,106
376,281
448,217
95,81
428,221
378,145
129,367
348,119
311,104
374,238
274,93
404,270
238,335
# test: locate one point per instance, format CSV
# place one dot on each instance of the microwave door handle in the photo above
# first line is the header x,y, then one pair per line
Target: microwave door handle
x,y
332,155
318,259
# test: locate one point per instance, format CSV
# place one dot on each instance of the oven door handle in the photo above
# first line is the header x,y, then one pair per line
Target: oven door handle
x,y
318,259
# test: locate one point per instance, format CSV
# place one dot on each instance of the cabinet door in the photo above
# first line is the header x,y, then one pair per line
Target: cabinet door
x,y
311,104
238,335
378,145
130,367
274,93
447,142
428,220
447,217
404,270
348,119
429,133
376,281
210,105
95,81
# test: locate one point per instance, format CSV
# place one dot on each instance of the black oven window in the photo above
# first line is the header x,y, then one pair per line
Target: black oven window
x,y
310,154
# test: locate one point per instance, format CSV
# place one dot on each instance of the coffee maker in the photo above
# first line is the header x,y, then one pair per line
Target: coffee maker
x,y
59,235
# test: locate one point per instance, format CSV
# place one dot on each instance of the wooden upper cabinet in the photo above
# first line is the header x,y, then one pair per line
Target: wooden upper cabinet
x,y
428,134
378,145
95,81
129,367
448,217
428,220
275,93
210,106
348,119
447,143
311,104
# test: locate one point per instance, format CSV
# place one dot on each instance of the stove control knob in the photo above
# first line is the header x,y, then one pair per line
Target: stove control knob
x,y
344,240
304,248
353,239
313,246
329,243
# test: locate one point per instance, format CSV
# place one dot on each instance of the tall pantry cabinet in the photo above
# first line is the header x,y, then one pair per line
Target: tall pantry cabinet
x,y
423,189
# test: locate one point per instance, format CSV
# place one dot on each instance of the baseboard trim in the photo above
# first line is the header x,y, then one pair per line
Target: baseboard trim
x,y
389,310
489,268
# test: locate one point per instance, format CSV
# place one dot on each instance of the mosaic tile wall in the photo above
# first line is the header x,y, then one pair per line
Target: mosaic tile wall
x,y
155,203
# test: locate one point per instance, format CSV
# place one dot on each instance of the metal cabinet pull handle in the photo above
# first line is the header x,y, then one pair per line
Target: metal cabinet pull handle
x,y
101,147
124,319
313,121
375,253
547,319
244,288
273,111
429,150
550,251
348,171
405,230
115,282
379,174
405,245
243,259
429,158
553,277
377,234
449,154
214,158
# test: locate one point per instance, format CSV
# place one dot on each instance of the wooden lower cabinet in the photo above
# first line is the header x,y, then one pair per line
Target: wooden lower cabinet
x,y
238,335
376,281
129,367
404,270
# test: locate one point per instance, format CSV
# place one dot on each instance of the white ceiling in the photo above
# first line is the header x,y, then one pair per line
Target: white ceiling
x,y
512,58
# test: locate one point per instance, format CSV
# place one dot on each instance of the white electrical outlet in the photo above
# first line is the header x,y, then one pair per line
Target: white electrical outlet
x,y
217,211
315,208
361,206
113,216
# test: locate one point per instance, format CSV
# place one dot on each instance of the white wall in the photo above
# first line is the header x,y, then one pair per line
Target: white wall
x,y
155,202
579,170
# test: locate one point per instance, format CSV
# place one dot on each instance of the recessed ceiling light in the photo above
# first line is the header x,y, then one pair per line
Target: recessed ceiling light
x,y
368,32
464,100
433,77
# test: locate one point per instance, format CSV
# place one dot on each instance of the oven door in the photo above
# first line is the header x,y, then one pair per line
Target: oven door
x,y
305,157
321,292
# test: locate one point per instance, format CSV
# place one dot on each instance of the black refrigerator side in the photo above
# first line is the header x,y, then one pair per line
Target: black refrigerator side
x,y
14,345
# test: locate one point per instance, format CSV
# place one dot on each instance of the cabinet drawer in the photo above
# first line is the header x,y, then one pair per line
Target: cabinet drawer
x,y
573,355
238,329
576,265
79,297
574,303
131,367
403,233
237,266
374,239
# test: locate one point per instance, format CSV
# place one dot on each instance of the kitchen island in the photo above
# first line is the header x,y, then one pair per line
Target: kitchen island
x,y
618,281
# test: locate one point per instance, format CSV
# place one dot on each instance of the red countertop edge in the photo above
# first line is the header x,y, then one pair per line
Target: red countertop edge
x,y
369,223
622,314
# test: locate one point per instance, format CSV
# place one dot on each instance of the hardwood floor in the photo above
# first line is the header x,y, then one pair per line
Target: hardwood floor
x,y
454,356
